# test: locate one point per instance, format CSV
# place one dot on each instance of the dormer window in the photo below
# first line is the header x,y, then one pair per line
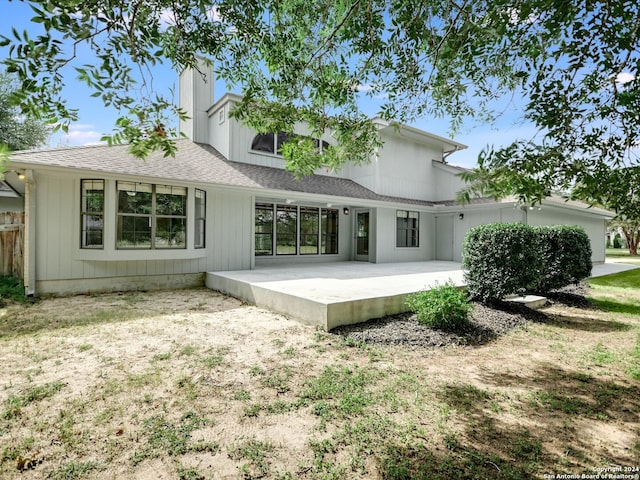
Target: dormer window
x,y
272,143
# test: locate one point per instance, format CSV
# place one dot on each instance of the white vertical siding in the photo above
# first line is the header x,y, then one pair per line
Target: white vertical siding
x,y
59,257
446,182
231,216
594,227
220,132
385,238
471,219
404,168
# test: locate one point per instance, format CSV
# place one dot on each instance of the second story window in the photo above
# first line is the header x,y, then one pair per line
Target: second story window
x,y
272,143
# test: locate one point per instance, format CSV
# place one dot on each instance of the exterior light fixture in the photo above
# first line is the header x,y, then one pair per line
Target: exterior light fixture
x,y
21,175
345,210
461,216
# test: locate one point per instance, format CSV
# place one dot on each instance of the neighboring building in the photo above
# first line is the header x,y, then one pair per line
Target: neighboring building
x,y
99,219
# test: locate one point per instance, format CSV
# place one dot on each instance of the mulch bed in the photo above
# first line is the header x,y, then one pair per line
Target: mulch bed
x,y
486,322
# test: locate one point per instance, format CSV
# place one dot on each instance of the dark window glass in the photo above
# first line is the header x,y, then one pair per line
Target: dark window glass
x,y
407,228
263,142
264,230
309,230
151,216
92,214
329,223
200,219
286,230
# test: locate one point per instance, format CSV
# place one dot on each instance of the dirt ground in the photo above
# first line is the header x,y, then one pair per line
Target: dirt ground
x,y
192,384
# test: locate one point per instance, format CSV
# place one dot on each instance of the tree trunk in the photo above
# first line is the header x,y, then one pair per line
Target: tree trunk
x,y
632,237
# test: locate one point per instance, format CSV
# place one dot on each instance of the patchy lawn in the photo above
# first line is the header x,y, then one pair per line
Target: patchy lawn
x,y
193,385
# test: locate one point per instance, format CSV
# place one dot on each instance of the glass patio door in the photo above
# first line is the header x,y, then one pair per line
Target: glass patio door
x,y
362,236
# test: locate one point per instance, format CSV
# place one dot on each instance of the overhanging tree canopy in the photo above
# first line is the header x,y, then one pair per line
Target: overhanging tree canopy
x,y
574,63
17,132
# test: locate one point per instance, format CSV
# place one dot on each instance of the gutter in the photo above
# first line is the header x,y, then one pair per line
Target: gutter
x,y
29,234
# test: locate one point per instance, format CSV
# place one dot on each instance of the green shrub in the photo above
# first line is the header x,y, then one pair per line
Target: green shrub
x,y
444,307
616,241
500,259
566,251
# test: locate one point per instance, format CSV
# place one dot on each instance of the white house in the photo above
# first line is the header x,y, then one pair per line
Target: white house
x,y
99,219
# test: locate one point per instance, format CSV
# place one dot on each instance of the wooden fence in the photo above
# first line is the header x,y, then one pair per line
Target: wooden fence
x,y
11,244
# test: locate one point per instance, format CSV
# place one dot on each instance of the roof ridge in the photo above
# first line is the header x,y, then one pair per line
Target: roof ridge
x,y
75,148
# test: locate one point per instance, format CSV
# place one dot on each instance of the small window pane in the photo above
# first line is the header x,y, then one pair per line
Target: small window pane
x,y
170,233
200,218
92,213
263,142
264,230
134,232
329,231
92,231
309,229
286,230
171,200
134,198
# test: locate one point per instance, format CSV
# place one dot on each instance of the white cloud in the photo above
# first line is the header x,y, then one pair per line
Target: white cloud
x,y
625,77
81,134
168,17
514,17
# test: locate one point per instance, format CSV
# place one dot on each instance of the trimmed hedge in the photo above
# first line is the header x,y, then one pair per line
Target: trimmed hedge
x,y
501,259
566,251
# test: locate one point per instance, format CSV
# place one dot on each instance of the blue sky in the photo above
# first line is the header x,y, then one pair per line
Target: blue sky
x,y
95,119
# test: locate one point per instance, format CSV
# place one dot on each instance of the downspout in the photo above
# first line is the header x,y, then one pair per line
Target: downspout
x,y
29,234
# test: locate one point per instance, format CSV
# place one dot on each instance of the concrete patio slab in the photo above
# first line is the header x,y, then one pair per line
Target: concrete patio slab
x,y
332,294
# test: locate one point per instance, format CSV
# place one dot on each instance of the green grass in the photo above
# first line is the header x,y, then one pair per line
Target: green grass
x,y
601,355
167,438
16,403
257,454
633,370
14,324
628,279
618,253
365,412
73,470
11,290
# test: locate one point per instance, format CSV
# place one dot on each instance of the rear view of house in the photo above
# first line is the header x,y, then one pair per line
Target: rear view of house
x,y
98,219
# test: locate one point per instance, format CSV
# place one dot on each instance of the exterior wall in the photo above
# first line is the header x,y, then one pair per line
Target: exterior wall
x,y
365,175
230,228
473,218
220,127
63,267
385,239
446,182
548,215
595,227
404,168
196,96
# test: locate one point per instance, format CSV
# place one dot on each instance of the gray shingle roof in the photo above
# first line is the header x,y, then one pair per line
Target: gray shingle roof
x,y
197,163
